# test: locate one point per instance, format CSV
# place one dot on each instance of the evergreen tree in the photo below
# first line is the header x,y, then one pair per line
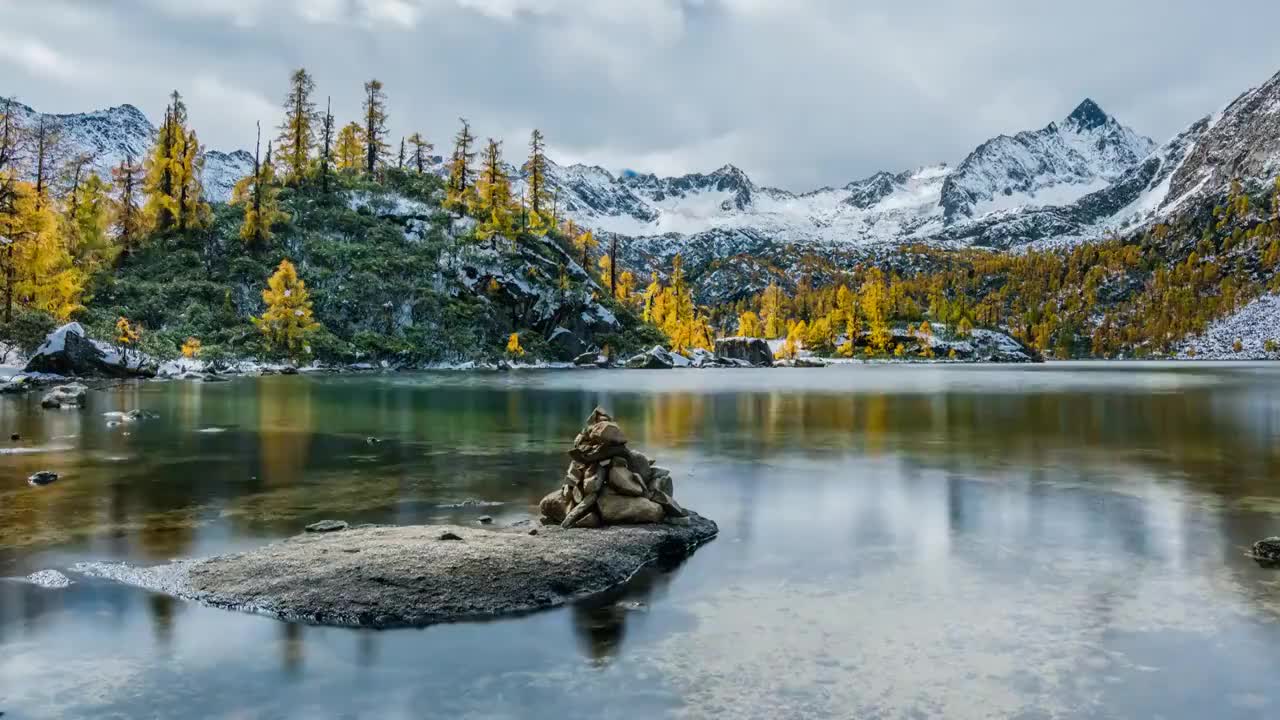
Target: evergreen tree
x,y
375,126
421,152
128,179
460,194
349,152
46,154
326,145
535,169
400,159
287,321
493,196
260,197
298,132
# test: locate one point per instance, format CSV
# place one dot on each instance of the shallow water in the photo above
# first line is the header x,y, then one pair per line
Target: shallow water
x,y
1063,540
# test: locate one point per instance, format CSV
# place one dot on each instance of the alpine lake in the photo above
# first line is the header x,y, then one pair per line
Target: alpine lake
x,y
1064,540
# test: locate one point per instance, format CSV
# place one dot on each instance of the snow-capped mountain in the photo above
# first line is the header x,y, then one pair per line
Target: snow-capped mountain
x,y
1053,166
111,136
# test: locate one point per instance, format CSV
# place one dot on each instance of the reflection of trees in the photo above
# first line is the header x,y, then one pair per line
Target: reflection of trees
x,y
284,428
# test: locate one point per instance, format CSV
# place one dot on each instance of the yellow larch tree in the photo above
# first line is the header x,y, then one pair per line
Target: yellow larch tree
x,y
493,196
348,150
172,184
874,301
514,349
771,312
39,273
287,321
749,325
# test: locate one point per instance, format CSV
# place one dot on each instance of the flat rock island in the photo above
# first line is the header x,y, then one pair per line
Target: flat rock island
x,y
389,576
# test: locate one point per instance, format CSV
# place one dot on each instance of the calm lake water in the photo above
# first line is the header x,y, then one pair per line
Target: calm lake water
x,y
1058,541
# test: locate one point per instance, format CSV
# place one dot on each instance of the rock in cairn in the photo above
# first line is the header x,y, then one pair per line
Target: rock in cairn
x,y
609,484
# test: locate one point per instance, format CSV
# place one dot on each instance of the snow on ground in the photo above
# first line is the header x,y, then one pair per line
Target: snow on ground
x,y
1252,325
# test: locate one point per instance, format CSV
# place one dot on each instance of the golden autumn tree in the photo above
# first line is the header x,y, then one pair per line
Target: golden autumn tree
x,y
172,184
87,224
191,347
259,195
790,349
874,302
583,240
287,322
459,190
298,131
38,270
771,312
493,196
514,349
749,325
348,151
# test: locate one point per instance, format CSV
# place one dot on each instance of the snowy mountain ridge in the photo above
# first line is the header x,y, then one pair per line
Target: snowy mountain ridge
x,y
111,136
1053,166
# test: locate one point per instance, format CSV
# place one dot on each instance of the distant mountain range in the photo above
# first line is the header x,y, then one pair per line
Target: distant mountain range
x,y
112,135
1069,181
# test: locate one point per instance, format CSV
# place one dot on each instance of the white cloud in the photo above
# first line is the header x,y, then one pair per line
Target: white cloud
x,y
800,93
35,57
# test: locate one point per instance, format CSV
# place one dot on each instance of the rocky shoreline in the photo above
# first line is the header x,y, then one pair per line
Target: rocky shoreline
x,y
386,577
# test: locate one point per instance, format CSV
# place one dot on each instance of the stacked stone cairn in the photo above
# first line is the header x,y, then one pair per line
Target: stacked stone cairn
x,y
610,484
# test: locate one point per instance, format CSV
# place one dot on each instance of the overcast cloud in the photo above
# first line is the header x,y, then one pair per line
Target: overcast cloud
x,y
799,93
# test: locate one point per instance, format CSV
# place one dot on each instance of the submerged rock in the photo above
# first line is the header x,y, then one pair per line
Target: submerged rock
x,y
404,576
1267,551
51,579
65,396
325,526
42,478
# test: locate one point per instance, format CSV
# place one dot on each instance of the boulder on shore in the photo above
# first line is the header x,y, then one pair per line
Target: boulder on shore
x,y
658,358
69,351
754,351
382,577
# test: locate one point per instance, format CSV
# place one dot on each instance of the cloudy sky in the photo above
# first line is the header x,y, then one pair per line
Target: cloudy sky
x,y
800,93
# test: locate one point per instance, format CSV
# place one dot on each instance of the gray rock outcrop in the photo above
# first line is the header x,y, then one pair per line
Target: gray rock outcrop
x,y
384,577
754,351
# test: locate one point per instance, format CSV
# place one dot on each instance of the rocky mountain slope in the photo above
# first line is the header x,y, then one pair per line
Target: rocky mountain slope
x,y
110,136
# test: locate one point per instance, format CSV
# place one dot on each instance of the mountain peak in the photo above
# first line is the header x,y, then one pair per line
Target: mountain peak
x,y
1088,115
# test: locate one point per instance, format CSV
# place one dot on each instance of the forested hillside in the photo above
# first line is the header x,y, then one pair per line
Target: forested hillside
x,y
336,246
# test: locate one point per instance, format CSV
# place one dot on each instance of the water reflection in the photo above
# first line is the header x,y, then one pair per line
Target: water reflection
x,y
1041,539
